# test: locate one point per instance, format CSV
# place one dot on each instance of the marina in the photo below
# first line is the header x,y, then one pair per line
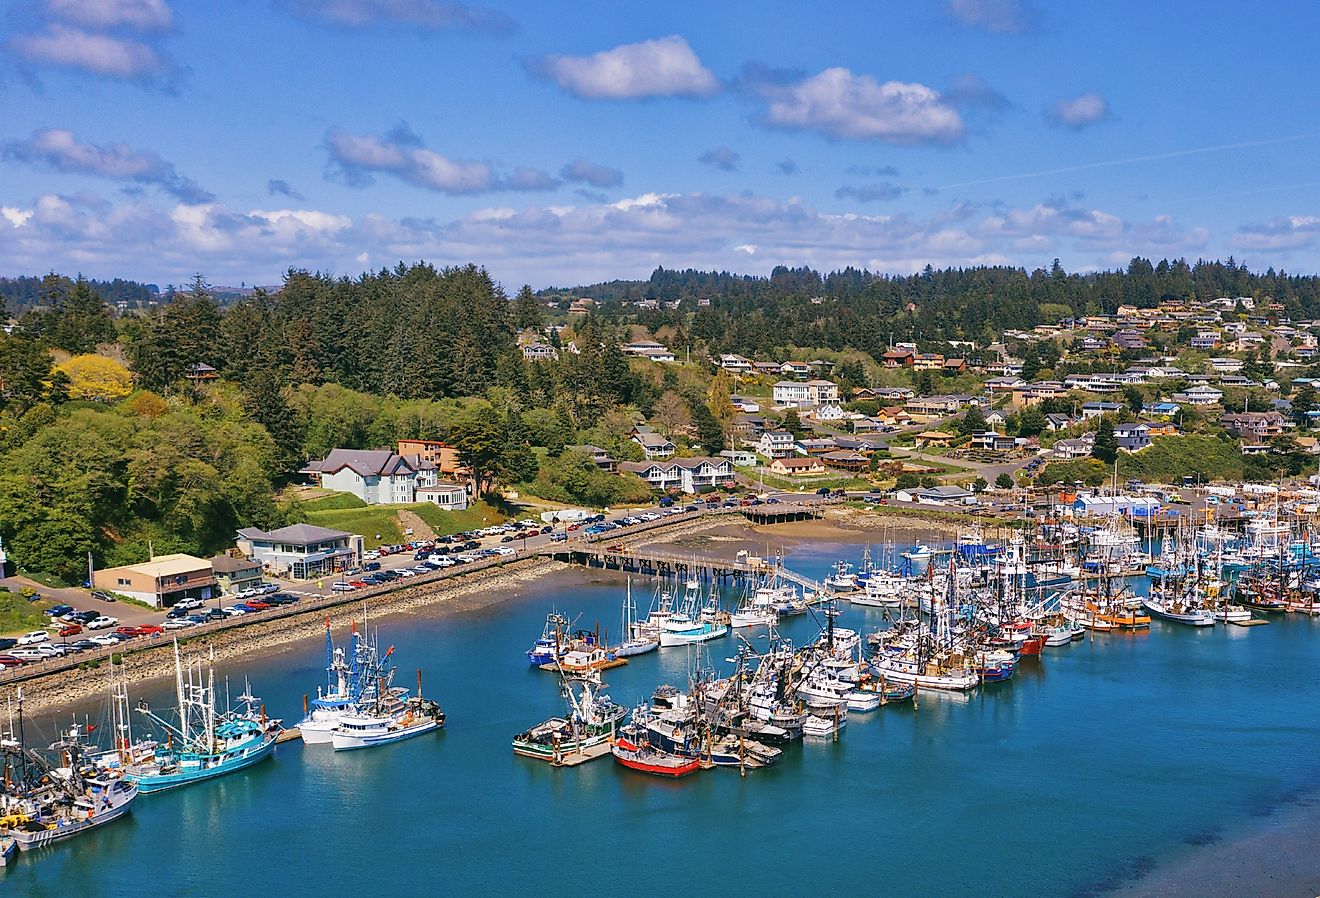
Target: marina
x,y
863,747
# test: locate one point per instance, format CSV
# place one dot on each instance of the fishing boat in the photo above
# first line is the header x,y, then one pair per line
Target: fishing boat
x,y
207,741
842,578
918,553
590,720
342,691
547,646
633,751
885,692
1169,605
827,725
42,802
392,717
754,610
639,640
684,625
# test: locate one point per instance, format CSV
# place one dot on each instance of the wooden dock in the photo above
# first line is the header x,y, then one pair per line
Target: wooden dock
x,y
288,735
659,563
1254,622
605,665
570,758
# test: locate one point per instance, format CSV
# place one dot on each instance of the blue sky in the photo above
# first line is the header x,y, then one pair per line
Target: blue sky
x,y
152,139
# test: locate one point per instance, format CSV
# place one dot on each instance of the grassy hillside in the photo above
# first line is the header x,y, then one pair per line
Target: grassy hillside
x,y
18,615
380,523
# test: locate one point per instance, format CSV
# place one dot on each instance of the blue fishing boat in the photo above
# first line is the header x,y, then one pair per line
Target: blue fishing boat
x,y
551,642
206,742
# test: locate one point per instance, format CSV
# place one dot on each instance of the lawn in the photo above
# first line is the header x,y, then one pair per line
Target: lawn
x,y
18,615
380,524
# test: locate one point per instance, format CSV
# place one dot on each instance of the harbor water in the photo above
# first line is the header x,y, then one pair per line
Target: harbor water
x,y
1107,759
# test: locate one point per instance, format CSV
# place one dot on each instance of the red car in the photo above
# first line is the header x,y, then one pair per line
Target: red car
x,y
129,632
11,661
150,630
357,584
257,605
70,630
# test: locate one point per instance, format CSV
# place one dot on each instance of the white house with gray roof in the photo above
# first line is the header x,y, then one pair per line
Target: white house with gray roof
x,y
376,476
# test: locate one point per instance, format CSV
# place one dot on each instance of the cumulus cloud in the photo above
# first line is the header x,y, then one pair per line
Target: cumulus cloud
x,y
841,104
1289,232
787,166
995,16
61,150
280,187
1077,113
871,193
665,67
722,158
99,54
564,243
580,171
138,15
355,159
432,15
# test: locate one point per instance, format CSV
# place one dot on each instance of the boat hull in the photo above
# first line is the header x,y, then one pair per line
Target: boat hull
x,y
27,840
671,638
160,782
349,742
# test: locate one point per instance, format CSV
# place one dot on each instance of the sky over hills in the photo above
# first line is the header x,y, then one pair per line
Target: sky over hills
x,y
562,144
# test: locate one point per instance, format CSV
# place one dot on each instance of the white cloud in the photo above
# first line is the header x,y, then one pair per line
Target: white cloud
x,y
838,103
665,67
61,150
1077,113
1289,232
542,244
100,54
995,16
139,15
433,15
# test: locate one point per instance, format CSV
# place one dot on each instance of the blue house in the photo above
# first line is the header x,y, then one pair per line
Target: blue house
x,y
1161,409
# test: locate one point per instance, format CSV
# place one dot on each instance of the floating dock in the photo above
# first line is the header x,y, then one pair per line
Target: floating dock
x,y
604,665
1254,622
288,735
570,758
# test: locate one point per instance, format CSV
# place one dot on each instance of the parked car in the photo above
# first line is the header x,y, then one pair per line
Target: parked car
x,y
7,643
558,537
70,630
180,623
150,629
83,645
58,610
26,653
189,604
257,604
504,550
102,622
281,598
371,566
102,595
342,587
104,640
126,632
34,637
216,614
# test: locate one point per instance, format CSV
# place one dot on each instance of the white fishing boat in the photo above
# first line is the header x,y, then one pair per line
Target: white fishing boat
x,y
842,579
640,640
342,691
826,725
684,625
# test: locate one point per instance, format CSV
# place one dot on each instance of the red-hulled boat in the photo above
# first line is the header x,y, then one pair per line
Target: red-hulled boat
x,y
642,755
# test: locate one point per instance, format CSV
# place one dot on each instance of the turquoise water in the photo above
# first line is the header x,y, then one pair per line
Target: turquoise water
x,y
1108,758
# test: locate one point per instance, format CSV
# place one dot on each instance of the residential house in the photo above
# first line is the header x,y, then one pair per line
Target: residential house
x,y
376,476
928,361
933,406
301,551
1093,383
893,416
1260,425
747,429
539,352
199,372
797,467
599,457
938,495
235,574
740,458
846,460
1161,409
995,419
1096,409
442,455
1206,341
898,358
1132,437
776,444
864,445
1075,448
795,369
1057,422
828,413
1004,384
954,366
1199,395
449,496
991,441
894,394
769,369
815,446
795,394
735,364
1226,365
687,475
744,404
655,446
935,438
865,394
160,582
1033,393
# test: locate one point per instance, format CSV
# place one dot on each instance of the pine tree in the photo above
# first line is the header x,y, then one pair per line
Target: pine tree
x,y
526,311
1105,448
